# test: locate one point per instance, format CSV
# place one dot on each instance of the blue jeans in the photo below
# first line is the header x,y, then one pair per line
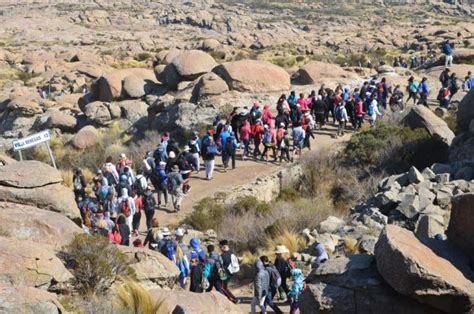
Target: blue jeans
x,y
271,304
246,147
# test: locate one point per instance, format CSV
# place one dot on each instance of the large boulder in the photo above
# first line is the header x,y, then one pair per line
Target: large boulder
x,y
137,87
86,137
315,72
28,300
37,225
152,268
36,184
466,111
133,110
28,264
189,302
110,86
179,117
425,273
460,229
191,64
423,117
62,121
209,85
353,285
253,76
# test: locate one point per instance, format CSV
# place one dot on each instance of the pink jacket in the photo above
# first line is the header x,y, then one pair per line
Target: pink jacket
x,y
245,131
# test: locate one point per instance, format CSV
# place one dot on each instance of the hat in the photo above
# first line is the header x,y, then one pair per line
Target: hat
x,y
281,249
99,171
101,223
265,126
122,155
172,154
186,148
282,124
165,231
179,232
175,168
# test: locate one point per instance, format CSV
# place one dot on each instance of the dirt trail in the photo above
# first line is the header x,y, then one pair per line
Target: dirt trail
x,y
245,172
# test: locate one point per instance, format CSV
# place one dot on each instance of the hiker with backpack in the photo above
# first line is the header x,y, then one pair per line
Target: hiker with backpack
x,y
444,97
296,289
267,116
149,206
284,267
138,199
318,110
231,266
269,142
196,274
160,154
167,245
208,151
140,183
213,270
444,77
448,53
298,138
179,236
275,283
110,172
424,92
162,184
453,85
195,149
261,287
229,150
342,118
154,236
79,184
121,233
359,114
186,164
468,83
255,112
307,122
127,207
122,163
223,141
175,187
196,250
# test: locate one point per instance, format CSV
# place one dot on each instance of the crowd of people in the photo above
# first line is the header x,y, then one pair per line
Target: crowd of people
x,y
121,196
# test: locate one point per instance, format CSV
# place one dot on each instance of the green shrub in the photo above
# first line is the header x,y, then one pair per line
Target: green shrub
x,y
95,263
395,149
143,56
218,55
207,214
289,195
251,204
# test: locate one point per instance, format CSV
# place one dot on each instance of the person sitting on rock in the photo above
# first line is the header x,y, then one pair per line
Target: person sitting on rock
x,y
321,256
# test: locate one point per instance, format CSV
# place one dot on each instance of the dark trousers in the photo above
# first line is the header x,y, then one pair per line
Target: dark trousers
x,y
412,95
256,150
225,290
136,220
149,217
265,151
270,303
284,154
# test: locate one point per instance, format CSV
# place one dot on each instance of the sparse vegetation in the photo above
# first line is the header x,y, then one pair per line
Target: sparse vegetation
x,y
95,263
133,298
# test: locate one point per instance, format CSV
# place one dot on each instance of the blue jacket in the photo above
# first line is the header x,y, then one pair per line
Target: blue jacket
x,y
447,49
292,99
224,137
423,88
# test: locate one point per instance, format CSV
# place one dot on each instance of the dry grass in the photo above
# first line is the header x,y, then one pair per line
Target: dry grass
x,y
351,245
291,239
4,232
133,298
67,177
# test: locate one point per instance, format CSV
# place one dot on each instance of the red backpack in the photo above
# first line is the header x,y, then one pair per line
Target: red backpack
x,y
125,208
116,237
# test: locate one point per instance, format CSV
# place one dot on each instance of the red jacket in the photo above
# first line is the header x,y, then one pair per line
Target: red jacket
x,y
257,131
245,131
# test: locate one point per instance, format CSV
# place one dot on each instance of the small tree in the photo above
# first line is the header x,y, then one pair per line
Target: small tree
x,y
95,263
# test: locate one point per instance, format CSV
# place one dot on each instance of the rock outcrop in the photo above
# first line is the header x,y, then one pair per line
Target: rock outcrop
x,y
188,302
466,111
460,229
316,72
253,76
422,117
425,273
86,137
28,300
37,184
37,225
353,285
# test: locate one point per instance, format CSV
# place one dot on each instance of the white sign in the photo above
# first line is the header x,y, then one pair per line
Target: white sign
x,y
31,140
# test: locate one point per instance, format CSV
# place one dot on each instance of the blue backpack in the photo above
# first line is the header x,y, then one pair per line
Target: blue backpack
x,y
371,110
168,250
267,137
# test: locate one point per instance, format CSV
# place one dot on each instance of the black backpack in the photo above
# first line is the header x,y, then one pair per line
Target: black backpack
x,y
229,146
149,202
137,186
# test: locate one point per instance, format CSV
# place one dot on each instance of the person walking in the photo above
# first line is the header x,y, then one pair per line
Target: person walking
x,y
296,289
261,288
275,282
424,92
208,151
342,118
298,138
412,89
468,83
359,114
149,206
448,53
230,148
257,134
245,132
195,149
162,186
453,85
284,268
373,112
175,187
229,261
127,207
79,184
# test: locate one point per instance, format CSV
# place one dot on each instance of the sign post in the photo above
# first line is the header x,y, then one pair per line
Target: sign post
x,y
31,141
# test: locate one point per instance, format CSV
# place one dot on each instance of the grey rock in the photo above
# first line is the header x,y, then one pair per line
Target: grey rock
x,y
367,244
438,168
428,174
442,178
443,196
394,181
429,225
465,173
460,229
409,205
414,176
331,225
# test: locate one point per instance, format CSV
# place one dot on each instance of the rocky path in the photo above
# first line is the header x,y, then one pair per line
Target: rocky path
x,y
245,172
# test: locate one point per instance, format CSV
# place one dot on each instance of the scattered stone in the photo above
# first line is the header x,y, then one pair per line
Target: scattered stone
x,y
414,176
442,178
443,197
429,225
331,225
409,205
439,168
428,174
367,244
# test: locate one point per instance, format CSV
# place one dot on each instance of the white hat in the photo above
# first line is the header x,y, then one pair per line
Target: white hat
x,y
266,126
179,232
186,148
281,249
172,154
122,155
282,124
165,231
